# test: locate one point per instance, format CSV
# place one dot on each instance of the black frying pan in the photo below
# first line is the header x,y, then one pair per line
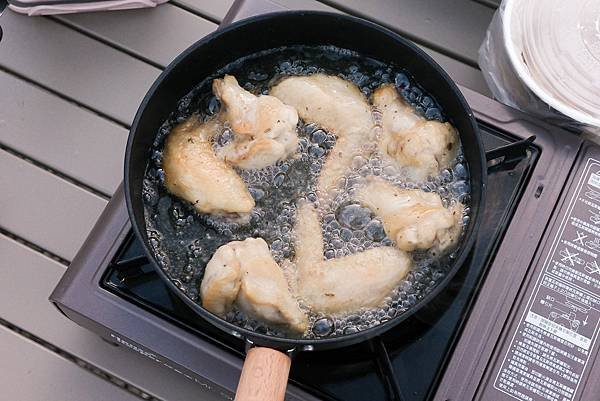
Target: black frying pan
x,y
265,371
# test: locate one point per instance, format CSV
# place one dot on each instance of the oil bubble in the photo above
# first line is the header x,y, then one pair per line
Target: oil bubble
x,y
374,230
354,216
319,136
323,327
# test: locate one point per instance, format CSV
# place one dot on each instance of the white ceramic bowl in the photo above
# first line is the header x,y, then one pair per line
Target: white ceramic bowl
x,y
554,48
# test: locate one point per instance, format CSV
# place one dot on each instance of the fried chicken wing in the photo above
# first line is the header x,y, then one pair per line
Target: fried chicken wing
x,y
222,280
193,172
414,219
337,106
264,128
346,284
424,147
244,272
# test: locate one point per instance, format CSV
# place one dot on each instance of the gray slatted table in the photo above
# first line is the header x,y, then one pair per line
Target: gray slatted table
x,y
70,86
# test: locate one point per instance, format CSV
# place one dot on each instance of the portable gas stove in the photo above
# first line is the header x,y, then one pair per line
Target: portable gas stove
x,y
520,321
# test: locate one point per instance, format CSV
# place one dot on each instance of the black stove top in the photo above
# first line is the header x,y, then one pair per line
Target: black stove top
x,y
448,351
383,368
465,346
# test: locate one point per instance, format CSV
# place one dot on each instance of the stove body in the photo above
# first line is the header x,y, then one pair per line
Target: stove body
x,y
520,321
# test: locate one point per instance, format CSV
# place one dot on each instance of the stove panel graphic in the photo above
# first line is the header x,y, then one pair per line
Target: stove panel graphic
x,y
557,333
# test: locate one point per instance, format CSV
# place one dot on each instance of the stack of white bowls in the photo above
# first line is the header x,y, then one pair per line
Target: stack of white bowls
x,y
543,57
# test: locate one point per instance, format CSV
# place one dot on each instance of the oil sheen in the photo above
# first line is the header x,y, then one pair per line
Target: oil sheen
x,y
183,241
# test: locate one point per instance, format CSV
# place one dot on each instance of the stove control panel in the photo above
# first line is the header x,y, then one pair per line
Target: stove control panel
x,y
554,340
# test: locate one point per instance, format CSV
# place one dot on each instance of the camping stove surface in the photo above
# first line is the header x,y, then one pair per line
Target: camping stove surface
x,y
519,321
383,366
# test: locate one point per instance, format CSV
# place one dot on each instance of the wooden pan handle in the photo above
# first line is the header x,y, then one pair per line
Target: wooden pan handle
x,y
264,375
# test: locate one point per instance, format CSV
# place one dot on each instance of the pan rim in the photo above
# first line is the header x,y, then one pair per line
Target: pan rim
x,y
285,343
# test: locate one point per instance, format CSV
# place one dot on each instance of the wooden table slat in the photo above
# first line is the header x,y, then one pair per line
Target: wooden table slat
x,y
45,209
33,373
304,5
57,133
215,9
36,276
457,26
156,34
75,65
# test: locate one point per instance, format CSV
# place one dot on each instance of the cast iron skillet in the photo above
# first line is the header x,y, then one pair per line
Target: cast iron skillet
x,y
266,368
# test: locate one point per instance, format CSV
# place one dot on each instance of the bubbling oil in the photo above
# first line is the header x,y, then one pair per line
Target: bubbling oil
x,y
183,240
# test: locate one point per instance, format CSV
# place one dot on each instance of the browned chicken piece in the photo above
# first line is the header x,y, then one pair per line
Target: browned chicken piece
x,y
414,219
244,273
346,284
409,140
222,280
193,172
264,128
339,107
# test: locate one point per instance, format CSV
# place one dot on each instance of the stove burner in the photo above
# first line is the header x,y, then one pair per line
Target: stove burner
x,y
508,156
424,340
